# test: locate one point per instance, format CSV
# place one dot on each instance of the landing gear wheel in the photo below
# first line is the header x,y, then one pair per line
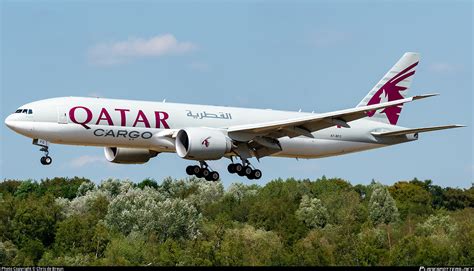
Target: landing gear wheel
x,y
239,169
205,173
247,171
231,168
46,160
214,176
197,171
189,170
256,174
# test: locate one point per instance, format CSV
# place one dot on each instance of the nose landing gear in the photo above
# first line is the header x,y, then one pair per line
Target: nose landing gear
x,y
46,159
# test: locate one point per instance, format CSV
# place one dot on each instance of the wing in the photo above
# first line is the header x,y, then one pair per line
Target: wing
x,y
416,130
308,124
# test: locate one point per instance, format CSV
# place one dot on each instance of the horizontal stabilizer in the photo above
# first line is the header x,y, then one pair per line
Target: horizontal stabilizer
x,y
416,130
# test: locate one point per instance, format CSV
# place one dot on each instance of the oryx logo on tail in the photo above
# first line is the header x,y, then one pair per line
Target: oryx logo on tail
x,y
393,86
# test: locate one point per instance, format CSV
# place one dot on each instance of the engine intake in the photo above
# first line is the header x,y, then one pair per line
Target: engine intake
x,y
202,144
128,155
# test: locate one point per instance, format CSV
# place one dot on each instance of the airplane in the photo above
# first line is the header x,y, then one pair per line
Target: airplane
x,y
133,132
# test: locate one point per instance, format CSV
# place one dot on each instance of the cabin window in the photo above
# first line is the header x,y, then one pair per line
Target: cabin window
x,y
30,111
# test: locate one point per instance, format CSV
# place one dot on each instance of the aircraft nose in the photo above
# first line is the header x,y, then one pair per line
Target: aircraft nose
x,y
9,122
18,125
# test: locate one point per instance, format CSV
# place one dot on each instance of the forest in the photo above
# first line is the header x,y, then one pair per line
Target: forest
x,y
327,221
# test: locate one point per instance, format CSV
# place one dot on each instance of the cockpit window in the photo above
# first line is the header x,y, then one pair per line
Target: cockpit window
x,y
24,111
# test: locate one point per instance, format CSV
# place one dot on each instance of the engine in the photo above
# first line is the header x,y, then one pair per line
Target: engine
x,y
128,155
202,144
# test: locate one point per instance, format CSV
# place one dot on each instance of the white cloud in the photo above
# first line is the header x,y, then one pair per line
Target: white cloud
x,y
85,160
118,52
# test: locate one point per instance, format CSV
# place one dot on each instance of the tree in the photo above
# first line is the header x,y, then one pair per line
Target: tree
x,y
454,198
250,247
437,224
147,211
312,212
148,182
26,188
206,193
372,247
411,199
125,251
35,219
9,186
83,204
84,188
8,252
382,207
61,187
274,207
315,250
133,210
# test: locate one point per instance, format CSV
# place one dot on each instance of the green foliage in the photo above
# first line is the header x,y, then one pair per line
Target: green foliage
x,y
382,207
35,219
26,188
312,212
148,211
314,249
249,246
148,183
9,186
73,222
411,199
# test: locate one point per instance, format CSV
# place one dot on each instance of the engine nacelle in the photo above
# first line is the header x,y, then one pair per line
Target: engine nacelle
x,y
128,155
202,144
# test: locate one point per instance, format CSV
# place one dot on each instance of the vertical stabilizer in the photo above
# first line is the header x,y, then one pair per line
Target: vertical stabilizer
x,y
393,86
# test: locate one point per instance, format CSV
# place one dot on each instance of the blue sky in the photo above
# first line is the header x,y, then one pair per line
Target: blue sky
x,y
318,55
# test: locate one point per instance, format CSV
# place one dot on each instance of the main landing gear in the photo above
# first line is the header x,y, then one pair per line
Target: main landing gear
x,y
203,171
245,169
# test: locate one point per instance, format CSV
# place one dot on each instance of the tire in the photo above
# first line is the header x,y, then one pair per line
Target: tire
x,y
256,174
239,169
205,173
42,160
48,160
247,171
189,170
231,168
197,171
214,176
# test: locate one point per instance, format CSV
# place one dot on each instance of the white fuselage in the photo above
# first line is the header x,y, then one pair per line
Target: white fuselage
x,y
138,124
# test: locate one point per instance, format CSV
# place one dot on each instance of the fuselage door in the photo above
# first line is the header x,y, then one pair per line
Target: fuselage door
x,y
62,115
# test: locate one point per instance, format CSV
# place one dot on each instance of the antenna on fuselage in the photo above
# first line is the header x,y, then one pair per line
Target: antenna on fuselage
x,y
164,100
